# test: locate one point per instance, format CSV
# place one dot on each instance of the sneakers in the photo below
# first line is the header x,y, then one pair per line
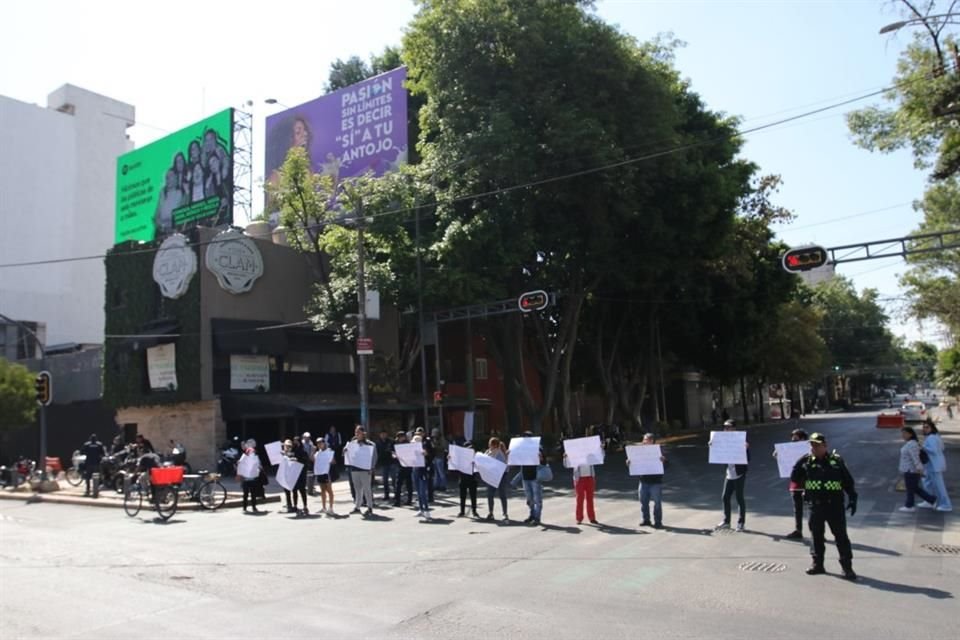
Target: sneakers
x,y
658,525
740,526
944,509
923,504
794,535
816,570
906,509
579,521
476,515
723,525
490,516
646,523
462,514
848,573
368,513
594,522
506,518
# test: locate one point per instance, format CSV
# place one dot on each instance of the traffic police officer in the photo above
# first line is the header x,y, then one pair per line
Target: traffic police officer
x,y
825,478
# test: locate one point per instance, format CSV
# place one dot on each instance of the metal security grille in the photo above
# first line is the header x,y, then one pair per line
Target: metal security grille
x,y
763,567
942,548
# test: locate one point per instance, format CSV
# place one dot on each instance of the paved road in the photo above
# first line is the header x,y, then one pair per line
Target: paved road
x,y
70,571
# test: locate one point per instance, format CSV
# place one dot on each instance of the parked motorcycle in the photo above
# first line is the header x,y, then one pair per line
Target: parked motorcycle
x,y
177,457
229,456
20,471
115,466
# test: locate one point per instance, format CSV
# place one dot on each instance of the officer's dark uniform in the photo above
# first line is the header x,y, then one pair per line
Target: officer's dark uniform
x,y
824,481
93,450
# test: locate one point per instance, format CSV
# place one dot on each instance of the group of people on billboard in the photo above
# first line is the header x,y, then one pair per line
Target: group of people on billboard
x,y
204,173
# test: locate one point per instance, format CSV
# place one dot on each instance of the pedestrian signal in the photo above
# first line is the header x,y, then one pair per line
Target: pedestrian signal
x,y
804,259
44,387
438,398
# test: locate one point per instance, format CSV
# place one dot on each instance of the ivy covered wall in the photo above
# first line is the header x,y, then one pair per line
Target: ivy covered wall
x,y
132,300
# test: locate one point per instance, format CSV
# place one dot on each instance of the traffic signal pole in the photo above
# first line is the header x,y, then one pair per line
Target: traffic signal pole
x,y
801,259
42,462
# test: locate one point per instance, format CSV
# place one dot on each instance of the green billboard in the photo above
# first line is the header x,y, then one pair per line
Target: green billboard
x,y
182,180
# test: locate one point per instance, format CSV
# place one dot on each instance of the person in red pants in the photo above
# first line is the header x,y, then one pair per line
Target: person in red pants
x,y
584,482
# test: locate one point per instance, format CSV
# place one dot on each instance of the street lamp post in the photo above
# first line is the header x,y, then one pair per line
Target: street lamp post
x,y
362,323
936,20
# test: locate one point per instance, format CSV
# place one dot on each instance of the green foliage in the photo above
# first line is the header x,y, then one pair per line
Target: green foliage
x,y
18,407
948,370
920,360
933,280
926,97
854,326
133,299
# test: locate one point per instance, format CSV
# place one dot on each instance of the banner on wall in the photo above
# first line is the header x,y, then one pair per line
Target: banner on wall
x,y
162,367
250,373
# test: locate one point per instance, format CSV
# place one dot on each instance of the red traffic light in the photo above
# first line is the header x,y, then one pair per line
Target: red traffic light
x,y
43,384
533,301
438,397
804,259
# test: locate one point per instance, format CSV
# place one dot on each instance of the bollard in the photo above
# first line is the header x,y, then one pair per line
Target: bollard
x,y
96,484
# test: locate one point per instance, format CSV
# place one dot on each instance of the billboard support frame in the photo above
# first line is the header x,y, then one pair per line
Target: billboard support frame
x,y
242,166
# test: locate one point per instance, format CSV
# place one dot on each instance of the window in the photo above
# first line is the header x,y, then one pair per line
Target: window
x,y
480,368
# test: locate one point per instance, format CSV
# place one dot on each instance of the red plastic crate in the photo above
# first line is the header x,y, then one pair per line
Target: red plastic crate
x,y
166,475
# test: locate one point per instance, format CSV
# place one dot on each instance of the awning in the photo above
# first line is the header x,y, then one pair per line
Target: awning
x,y
152,333
248,337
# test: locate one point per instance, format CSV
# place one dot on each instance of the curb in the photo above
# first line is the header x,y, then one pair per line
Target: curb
x,y
233,501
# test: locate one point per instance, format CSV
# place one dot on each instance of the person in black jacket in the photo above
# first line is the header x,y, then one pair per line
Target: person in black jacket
x,y
94,452
733,483
825,478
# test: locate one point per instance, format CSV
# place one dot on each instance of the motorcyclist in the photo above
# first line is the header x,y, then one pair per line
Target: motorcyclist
x,y
178,453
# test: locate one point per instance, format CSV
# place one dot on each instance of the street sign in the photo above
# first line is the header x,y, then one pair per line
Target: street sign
x,y
364,346
804,259
533,301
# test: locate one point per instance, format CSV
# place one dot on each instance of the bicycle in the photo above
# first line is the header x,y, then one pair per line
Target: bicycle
x,y
74,475
162,493
205,488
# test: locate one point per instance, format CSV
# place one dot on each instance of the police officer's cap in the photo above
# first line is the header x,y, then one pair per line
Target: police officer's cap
x,y
818,438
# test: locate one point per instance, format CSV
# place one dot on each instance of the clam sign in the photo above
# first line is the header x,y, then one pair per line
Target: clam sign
x,y
235,260
174,266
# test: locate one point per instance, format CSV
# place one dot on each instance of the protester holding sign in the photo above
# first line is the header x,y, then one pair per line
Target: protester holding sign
x,y
736,475
651,484
522,452
796,491
322,470
248,468
495,487
361,456
468,480
404,473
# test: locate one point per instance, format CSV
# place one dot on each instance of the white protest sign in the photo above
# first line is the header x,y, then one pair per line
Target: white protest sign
x,y
728,447
491,470
583,451
788,453
274,451
321,463
645,460
410,454
461,459
288,473
248,467
359,455
524,451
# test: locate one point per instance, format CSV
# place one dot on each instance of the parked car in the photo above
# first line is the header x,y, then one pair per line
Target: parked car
x,y
914,411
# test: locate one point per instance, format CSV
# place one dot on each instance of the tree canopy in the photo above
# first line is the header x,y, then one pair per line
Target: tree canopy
x,y
17,404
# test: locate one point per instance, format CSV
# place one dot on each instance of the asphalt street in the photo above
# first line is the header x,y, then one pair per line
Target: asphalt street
x,y
73,571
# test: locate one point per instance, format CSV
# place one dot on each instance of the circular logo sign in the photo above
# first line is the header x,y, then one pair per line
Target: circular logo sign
x,y
174,266
235,260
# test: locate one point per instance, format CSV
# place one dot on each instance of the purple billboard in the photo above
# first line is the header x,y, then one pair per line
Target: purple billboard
x,y
346,133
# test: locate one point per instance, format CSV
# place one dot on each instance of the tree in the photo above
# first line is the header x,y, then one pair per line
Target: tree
x,y
17,404
515,100
933,281
926,95
948,370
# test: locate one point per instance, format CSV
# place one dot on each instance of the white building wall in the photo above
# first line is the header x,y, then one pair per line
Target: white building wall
x,y
57,188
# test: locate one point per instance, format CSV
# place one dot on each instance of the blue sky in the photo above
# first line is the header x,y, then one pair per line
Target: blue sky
x,y
179,61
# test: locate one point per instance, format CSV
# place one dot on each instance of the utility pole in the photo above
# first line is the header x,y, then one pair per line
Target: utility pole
x,y
362,323
423,337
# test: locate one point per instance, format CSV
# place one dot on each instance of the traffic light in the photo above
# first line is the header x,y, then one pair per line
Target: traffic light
x,y
533,301
438,397
804,259
44,387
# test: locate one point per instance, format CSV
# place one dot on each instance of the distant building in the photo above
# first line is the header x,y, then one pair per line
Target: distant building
x,y
57,189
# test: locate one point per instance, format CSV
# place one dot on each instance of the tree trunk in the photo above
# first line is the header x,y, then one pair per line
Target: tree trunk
x,y
743,400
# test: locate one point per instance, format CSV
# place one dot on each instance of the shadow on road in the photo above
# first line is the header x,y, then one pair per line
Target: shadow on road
x,y
558,528
618,531
437,521
896,587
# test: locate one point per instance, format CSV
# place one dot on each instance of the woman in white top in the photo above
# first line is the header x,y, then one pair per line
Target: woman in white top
x,y
936,466
249,469
912,469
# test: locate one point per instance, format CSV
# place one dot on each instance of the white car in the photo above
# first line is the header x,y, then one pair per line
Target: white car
x,y
914,412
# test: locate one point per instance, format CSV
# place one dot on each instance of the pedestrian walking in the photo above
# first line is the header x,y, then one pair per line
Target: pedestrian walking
x,y
911,466
363,478
936,465
825,479
733,484
796,493
651,489
495,450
